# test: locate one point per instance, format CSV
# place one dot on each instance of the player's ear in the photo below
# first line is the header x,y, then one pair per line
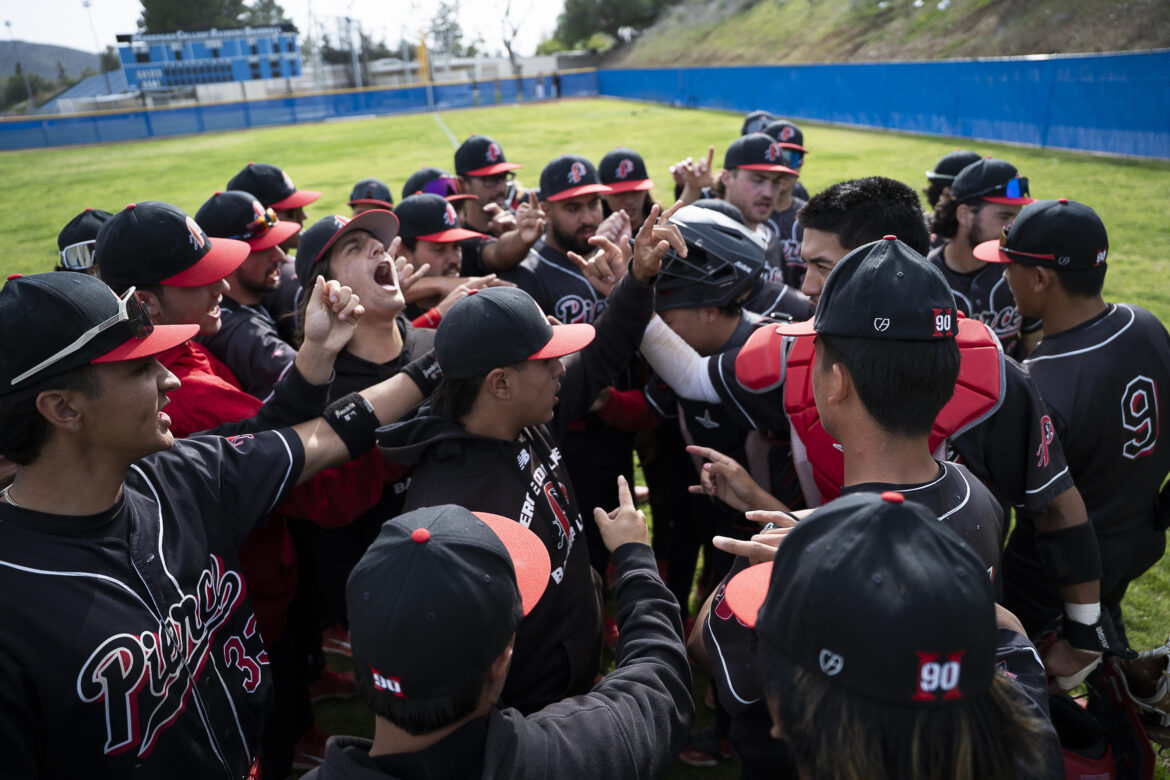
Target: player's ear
x,y
500,383
725,176
964,215
60,408
1043,279
840,383
152,303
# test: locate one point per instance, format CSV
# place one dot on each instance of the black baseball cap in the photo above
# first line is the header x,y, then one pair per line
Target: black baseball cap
x,y
437,597
623,170
567,177
788,134
992,180
239,215
874,595
76,240
951,163
427,217
271,186
52,323
1060,234
315,241
372,192
481,156
883,290
755,122
756,152
497,327
437,182
157,243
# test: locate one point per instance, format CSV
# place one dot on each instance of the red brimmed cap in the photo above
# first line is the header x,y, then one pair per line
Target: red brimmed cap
x,y
499,326
867,565
371,192
1060,234
623,170
157,243
481,156
457,583
48,322
272,187
428,217
756,152
240,216
570,176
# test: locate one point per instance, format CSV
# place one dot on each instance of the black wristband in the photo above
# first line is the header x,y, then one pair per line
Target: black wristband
x,y
424,371
1069,556
1101,637
352,418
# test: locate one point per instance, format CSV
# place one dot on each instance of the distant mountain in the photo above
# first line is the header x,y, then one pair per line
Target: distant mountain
x,y
42,58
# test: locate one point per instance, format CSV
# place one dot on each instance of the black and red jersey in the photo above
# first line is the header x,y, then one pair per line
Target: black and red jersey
x,y
132,649
1106,383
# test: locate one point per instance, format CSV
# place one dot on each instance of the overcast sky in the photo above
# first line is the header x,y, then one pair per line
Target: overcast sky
x,y
65,22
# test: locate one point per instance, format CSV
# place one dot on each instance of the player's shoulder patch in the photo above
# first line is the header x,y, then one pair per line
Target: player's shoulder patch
x,y
761,362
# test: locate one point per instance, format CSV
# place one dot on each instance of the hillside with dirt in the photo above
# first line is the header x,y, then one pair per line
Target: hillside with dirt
x,y
720,32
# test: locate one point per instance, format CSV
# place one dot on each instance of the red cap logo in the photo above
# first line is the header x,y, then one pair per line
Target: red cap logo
x,y
576,173
287,181
786,132
339,222
197,238
939,678
258,210
494,152
449,218
386,683
943,322
625,168
774,152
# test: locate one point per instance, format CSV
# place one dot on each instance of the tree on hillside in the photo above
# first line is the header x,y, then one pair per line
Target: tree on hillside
x,y
265,13
165,16
446,34
619,19
110,60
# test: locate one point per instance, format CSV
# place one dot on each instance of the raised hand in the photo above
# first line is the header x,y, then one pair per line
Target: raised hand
x,y
604,268
623,525
655,238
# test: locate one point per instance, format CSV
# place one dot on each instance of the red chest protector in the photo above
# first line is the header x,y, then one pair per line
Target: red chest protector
x,y
761,363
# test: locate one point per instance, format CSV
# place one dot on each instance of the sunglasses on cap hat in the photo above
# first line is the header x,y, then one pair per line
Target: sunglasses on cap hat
x,y
1013,188
130,311
258,226
79,256
1003,247
445,186
791,158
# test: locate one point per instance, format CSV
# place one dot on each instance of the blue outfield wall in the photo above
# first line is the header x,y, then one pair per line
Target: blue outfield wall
x,y
1115,103
111,126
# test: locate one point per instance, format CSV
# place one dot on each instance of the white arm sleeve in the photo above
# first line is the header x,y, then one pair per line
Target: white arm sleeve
x,y
684,369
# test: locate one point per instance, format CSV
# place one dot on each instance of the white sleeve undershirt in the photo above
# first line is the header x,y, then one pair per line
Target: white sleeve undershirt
x,y
680,366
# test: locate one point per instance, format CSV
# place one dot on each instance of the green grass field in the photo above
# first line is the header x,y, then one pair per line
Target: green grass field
x,y
43,189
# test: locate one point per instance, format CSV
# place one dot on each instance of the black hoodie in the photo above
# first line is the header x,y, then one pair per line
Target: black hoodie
x,y
558,646
631,725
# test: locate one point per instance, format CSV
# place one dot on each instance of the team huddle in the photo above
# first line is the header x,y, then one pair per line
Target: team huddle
x,y
236,440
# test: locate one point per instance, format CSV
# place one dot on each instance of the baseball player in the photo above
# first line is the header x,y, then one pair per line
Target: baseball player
x,y
247,339
1103,369
1000,434
75,241
878,394
138,652
956,690
624,172
274,189
370,194
503,241
791,138
944,173
492,441
985,196
435,697
755,122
